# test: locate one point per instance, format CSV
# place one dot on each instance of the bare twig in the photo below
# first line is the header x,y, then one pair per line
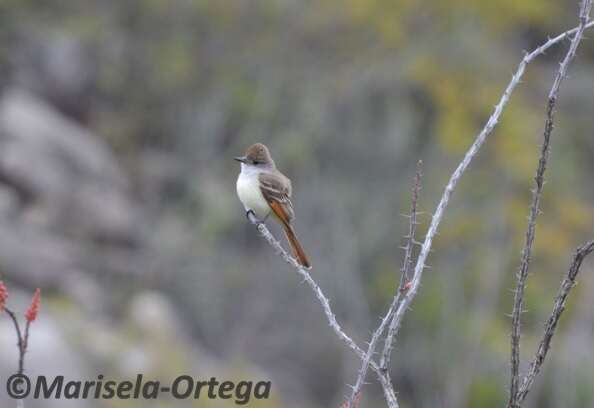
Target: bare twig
x,y
406,269
387,387
535,205
407,264
413,284
468,157
568,283
22,338
21,342
389,393
362,373
25,345
354,404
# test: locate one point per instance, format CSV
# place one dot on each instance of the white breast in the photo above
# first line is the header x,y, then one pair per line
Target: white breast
x,y
248,190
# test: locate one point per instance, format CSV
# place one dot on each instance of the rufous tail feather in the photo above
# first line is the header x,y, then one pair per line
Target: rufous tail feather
x,y
298,251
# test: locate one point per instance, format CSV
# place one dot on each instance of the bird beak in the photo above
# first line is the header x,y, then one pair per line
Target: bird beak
x,y
240,159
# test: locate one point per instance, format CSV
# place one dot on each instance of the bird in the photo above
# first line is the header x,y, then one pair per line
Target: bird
x,y
264,190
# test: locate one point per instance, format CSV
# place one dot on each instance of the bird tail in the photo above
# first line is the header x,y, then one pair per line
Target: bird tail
x,y
298,251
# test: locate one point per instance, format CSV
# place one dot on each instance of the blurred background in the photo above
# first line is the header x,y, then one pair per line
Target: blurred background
x,y
118,124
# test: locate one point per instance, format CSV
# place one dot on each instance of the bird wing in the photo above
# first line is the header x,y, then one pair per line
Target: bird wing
x,y
276,189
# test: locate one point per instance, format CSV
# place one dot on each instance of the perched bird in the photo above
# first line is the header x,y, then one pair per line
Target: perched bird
x,y
263,189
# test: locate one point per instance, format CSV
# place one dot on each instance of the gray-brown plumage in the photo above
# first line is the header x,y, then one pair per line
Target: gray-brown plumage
x,y
262,189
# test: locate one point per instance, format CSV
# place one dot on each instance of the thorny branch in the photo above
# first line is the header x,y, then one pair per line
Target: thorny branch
x,y
21,340
534,207
469,156
413,284
568,283
389,393
406,267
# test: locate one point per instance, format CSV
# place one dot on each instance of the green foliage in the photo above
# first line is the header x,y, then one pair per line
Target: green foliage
x,y
486,393
348,94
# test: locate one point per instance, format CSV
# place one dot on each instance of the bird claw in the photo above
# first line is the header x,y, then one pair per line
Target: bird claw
x,y
251,216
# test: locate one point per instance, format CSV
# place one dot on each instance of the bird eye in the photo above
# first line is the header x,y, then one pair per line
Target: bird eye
x,y
256,162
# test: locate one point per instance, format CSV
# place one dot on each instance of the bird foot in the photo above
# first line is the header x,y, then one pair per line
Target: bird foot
x,y
251,216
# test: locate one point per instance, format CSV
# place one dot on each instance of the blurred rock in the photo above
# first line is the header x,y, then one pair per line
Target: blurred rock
x,y
59,68
70,192
58,165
